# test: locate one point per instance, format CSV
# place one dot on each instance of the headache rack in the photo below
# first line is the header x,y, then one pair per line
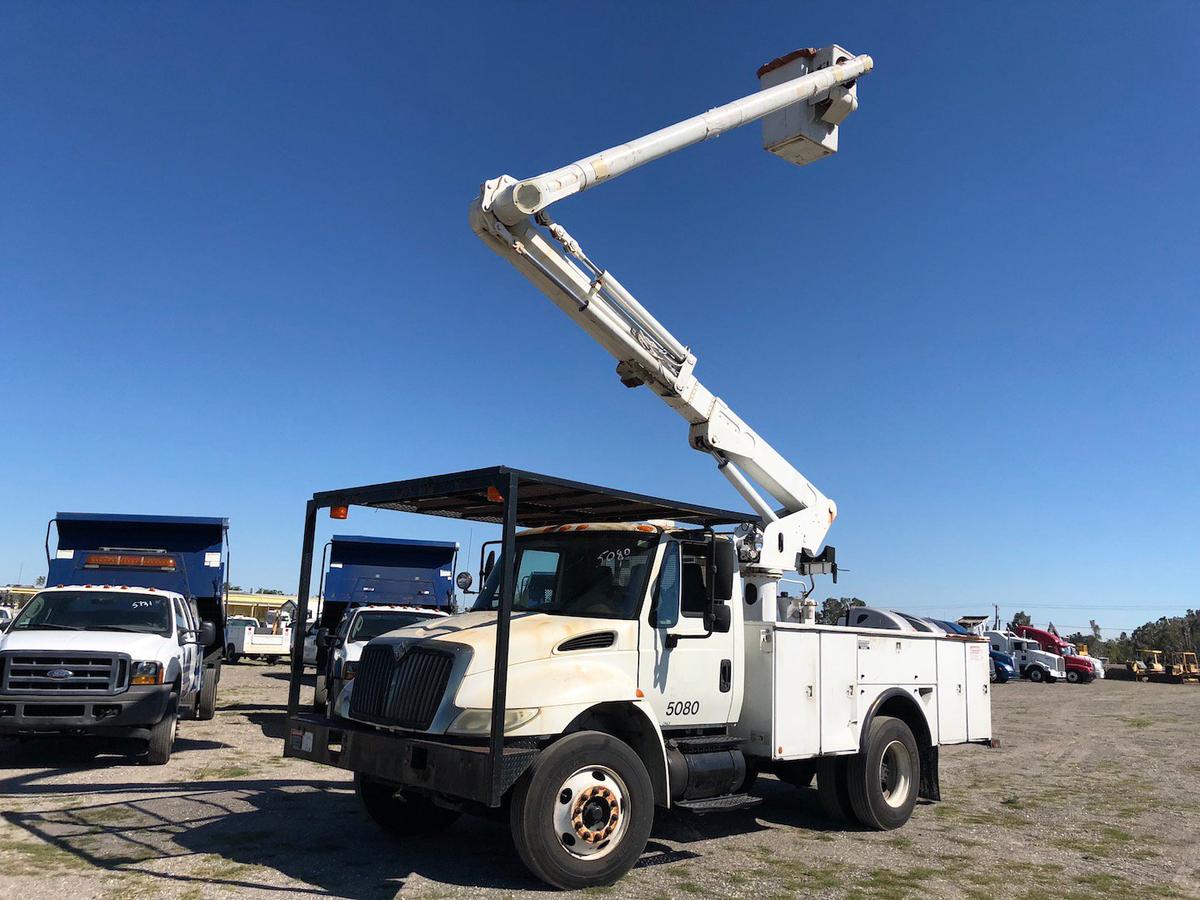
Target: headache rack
x,y
513,499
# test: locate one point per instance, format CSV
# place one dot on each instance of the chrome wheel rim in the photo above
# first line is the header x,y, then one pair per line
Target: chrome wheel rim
x,y
895,774
591,812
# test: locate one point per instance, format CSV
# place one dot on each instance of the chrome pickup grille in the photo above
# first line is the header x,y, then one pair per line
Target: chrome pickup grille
x,y
404,691
48,672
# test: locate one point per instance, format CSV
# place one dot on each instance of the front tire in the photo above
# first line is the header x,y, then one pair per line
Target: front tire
x,y
400,814
582,814
884,779
1036,675
162,735
321,695
1073,677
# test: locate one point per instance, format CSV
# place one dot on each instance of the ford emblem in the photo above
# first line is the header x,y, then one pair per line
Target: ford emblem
x,y
59,674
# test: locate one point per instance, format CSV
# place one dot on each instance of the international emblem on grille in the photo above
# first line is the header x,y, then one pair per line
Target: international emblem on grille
x,y
59,674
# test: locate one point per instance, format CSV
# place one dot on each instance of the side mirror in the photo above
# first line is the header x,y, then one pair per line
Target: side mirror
x,y
208,633
725,564
464,581
488,566
719,620
322,638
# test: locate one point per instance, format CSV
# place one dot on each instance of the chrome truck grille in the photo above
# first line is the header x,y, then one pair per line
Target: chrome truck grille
x,y
48,672
403,690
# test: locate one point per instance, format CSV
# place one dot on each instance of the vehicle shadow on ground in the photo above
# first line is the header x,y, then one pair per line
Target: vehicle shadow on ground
x,y
270,717
77,754
261,835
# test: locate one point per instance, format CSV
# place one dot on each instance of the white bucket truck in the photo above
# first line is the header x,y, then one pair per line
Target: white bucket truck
x,y
624,655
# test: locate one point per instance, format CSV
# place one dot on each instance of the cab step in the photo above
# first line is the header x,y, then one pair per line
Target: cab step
x,y
707,743
725,803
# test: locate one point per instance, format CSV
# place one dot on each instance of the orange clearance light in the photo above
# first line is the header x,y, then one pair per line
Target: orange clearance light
x,y
339,512
645,528
494,495
128,561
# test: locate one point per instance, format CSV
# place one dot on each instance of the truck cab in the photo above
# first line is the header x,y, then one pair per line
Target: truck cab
x,y
102,660
1079,669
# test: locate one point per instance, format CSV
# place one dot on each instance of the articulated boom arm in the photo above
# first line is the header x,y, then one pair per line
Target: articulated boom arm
x,y
509,216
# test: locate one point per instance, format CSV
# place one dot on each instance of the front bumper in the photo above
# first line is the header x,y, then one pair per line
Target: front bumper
x,y
427,764
130,713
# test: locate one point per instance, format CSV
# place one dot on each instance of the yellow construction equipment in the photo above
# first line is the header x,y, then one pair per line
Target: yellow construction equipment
x,y
1182,667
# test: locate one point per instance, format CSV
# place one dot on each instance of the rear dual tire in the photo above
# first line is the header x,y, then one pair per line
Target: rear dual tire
x,y
876,788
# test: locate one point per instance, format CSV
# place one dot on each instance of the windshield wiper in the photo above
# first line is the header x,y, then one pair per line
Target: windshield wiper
x,y
31,626
116,628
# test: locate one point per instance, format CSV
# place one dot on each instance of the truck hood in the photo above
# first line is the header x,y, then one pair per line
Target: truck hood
x,y
531,635
138,646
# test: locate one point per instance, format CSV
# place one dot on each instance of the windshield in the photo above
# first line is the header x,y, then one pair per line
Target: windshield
x,y
368,625
601,574
96,611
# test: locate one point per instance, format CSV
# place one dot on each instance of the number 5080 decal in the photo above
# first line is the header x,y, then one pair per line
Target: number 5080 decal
x,y
683,707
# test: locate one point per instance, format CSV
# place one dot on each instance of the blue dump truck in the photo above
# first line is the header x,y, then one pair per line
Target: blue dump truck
x,y
127,635
375,571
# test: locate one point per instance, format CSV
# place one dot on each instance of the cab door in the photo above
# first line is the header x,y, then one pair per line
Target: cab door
x,y
189,655
685,673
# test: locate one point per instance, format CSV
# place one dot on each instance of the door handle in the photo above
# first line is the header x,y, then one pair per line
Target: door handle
x,y
726,683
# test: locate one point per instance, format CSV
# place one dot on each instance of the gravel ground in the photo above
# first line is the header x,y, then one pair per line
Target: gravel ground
x,y
1095,792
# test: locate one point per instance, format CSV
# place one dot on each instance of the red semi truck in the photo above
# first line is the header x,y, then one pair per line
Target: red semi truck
x,y
1079,668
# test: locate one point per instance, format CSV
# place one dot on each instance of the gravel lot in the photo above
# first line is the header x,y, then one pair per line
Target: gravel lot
x,y
1095,792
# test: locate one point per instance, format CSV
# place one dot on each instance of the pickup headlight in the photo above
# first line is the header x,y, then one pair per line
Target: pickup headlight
x,y
349,670
479,721
146,673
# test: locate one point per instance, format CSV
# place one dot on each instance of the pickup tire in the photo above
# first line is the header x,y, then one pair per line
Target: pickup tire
x,y
162,735
833,789
885,778
232,655
582,814
206,703
400,814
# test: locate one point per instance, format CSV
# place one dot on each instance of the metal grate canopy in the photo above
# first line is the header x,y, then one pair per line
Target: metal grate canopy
x,y
542,500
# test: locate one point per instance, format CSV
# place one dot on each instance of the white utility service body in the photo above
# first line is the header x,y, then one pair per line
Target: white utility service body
x,y
101,660
264,642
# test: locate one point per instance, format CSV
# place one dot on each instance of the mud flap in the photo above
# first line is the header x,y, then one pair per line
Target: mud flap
x,y
930,788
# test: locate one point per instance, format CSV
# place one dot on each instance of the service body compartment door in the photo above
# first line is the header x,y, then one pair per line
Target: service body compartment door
x,y
951,691
895,659
979,694
797,694
839,692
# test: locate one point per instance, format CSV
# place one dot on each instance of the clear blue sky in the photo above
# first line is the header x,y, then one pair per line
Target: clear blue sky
x,y
235,268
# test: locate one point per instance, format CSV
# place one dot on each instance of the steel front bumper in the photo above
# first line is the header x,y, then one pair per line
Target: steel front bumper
x,y
426,764
130,713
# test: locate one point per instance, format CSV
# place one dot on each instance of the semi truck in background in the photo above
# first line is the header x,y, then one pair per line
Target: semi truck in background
x,y
363,570
1079,669
128,634
1031,661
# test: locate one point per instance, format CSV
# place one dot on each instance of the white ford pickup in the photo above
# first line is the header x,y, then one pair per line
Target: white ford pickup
x,y
102,661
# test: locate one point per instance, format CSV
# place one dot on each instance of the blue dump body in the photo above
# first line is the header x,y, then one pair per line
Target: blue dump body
x,y
386,572
185,554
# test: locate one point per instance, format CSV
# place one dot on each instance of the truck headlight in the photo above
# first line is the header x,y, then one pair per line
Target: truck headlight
x,y
146,673
349,670
479,721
